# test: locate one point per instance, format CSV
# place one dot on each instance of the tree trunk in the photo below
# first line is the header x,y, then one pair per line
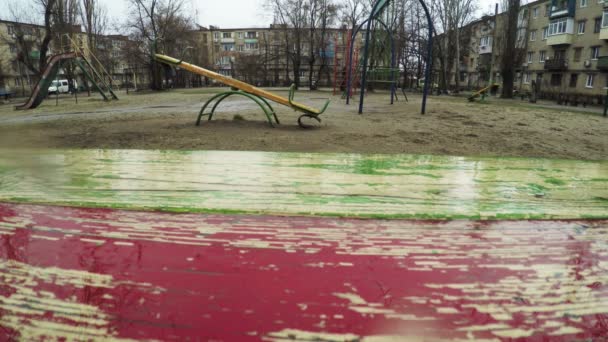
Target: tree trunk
x,y
457,61
509,50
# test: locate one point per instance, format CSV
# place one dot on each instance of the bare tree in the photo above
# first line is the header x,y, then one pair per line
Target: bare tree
x,y
291,15
94,19
312,8
250,67
28,39
353,12
510,53
452,15
159,25
65,25
327,17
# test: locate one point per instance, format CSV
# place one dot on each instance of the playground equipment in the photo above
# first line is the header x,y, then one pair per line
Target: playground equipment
x,y
606,104
378,9
257,95
49,74
482,92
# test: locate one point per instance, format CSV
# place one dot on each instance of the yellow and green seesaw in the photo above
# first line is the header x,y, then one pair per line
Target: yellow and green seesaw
x,y
241,88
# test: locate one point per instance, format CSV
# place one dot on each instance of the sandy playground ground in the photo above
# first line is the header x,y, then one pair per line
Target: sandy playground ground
x,y
452,126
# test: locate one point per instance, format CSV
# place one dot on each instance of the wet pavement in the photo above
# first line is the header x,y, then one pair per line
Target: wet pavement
x,y
271,246
95,273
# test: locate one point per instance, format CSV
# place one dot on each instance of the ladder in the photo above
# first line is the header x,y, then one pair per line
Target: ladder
x,y
94,70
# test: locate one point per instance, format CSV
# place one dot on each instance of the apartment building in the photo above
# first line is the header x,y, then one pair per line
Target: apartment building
x,y
16,76
564,46
259,55
567,51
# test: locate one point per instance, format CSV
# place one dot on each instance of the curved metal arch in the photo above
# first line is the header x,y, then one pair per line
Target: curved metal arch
x,y
266,107
350,67
379,5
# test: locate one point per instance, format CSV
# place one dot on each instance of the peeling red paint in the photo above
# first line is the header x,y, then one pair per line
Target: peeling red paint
x,y
224,277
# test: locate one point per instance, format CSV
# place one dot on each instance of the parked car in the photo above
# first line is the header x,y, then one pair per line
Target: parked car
x,y
59,86
6,93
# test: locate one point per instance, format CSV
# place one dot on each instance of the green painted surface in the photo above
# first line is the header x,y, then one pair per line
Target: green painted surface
x,y
381,186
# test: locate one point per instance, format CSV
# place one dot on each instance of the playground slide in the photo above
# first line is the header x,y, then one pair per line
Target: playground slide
x,y
246,87
42,88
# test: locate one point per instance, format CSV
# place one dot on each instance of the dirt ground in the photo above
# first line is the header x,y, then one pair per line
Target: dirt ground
x,y
452,126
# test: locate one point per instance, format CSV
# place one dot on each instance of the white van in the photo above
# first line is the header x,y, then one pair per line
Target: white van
x,y
59,86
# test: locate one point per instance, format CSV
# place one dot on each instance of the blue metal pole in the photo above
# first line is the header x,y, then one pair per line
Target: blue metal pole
x,y
364,66
350,66
392,40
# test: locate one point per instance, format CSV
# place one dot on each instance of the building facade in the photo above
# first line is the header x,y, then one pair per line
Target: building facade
x,y
260,56
564,45
17,77
263,56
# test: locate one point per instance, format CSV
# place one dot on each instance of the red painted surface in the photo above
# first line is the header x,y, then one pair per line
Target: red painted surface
x,y
221,277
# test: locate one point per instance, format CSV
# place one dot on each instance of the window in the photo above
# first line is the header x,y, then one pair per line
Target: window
x,y
578,52
581,27
13,48
583,3
573,80
530,56
547,10
225,60
590,79
485,41
240,35
595,52
527,77
216,35
605,19
556,80
558,26
11,29
228,47
541,56
240,47
597,25
532,35
535,12
251,35
545,32
227,35
251,46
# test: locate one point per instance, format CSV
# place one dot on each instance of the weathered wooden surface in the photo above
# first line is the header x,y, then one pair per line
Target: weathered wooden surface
x,y
97,273
377,186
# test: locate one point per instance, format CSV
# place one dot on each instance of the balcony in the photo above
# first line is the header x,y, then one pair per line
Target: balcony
x,y
560,39
604,33
602,63
556,65
484,49
562,8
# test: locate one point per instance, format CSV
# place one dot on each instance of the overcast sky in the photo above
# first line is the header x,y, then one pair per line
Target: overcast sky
x,y
223,13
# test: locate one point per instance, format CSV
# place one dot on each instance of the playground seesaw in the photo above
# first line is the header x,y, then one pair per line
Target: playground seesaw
x,y
258,95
